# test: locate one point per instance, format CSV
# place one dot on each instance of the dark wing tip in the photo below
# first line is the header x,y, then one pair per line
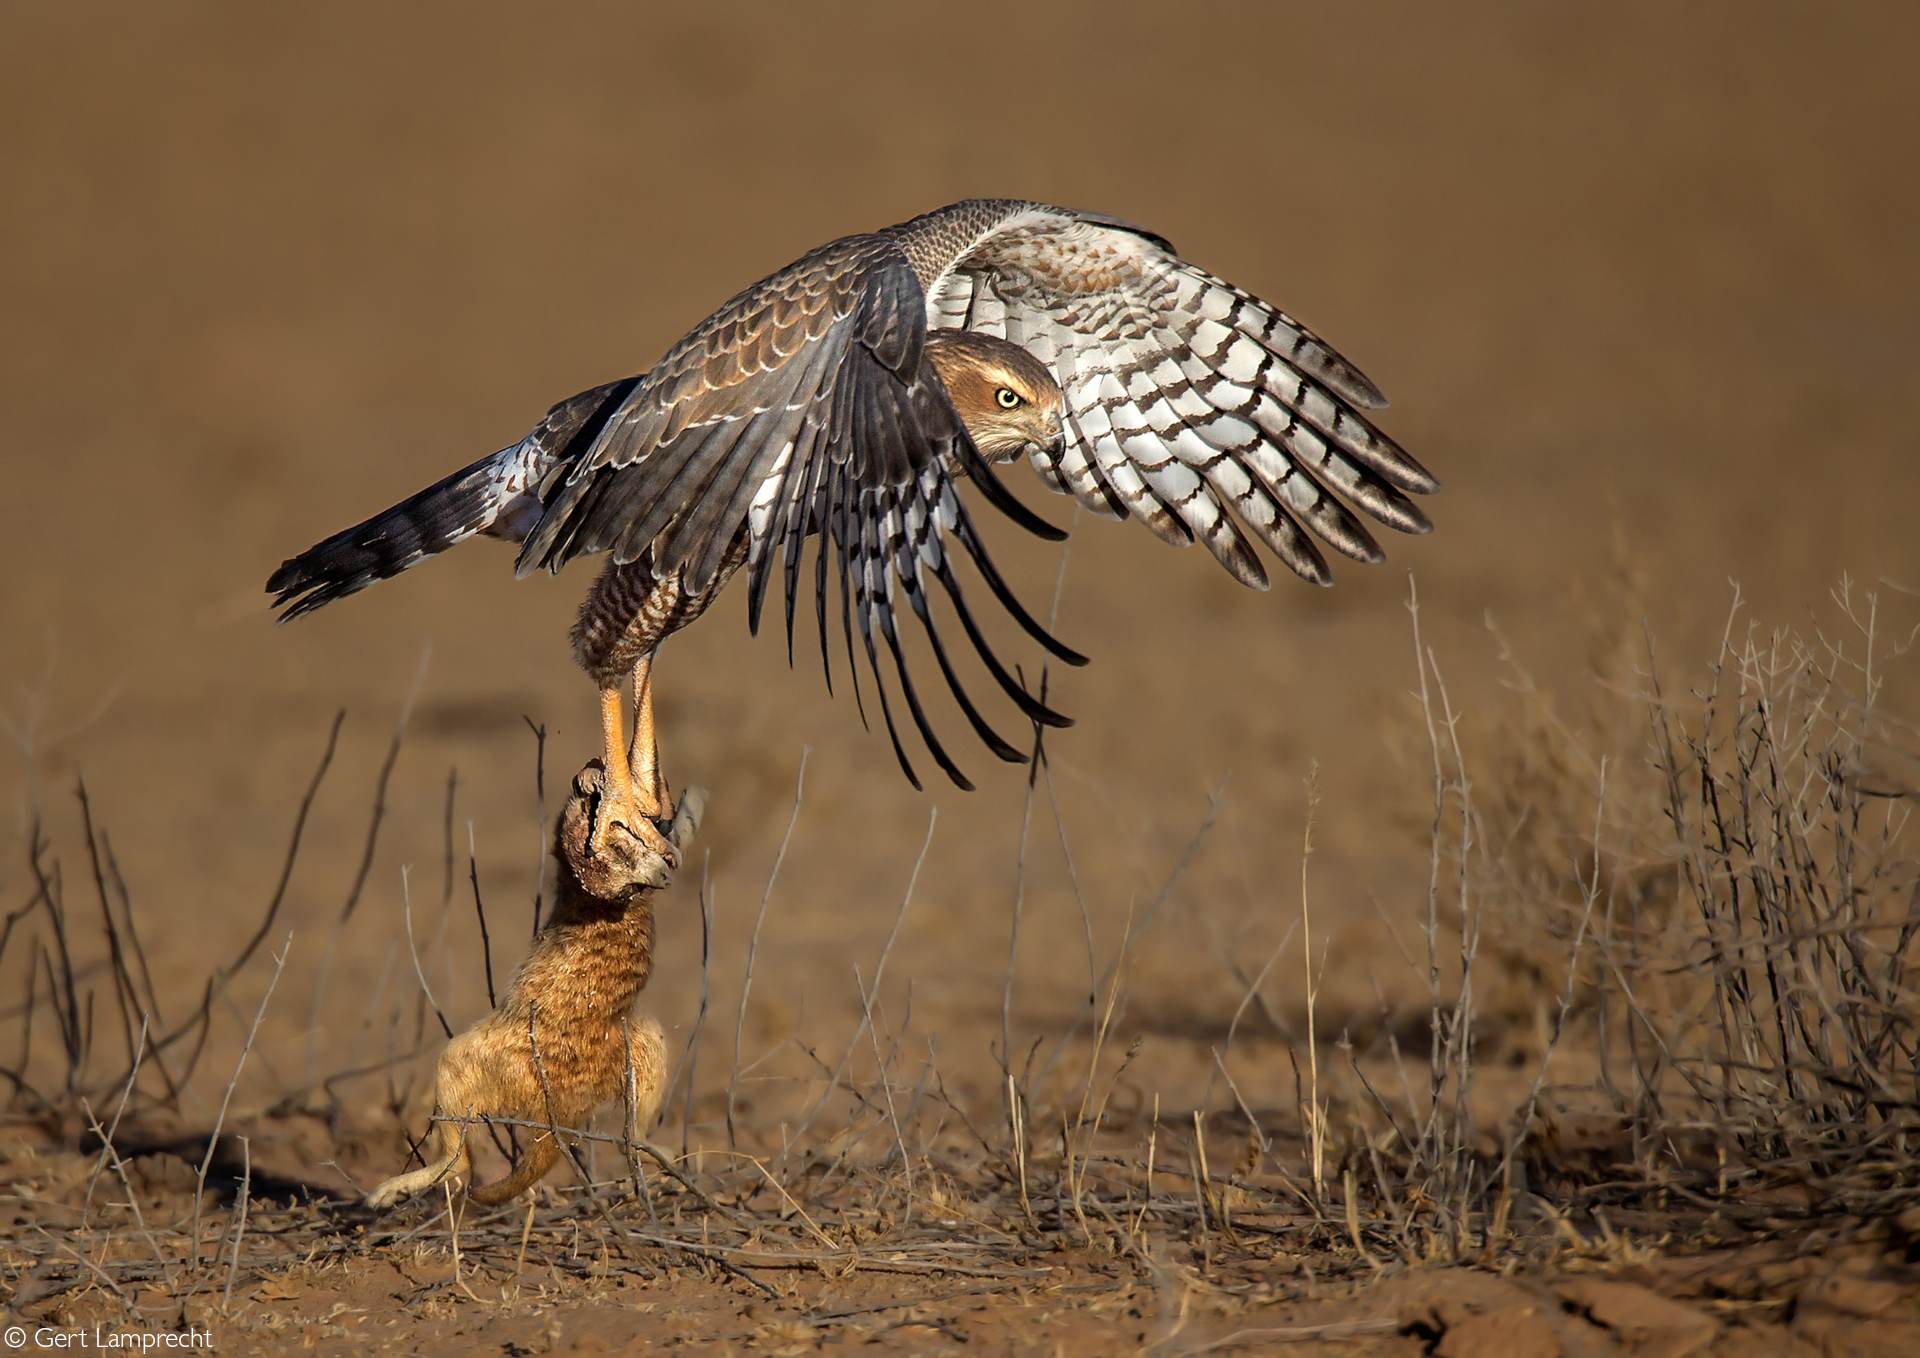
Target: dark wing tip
x,y
1002,499
1363,392
1409,475
1042,528
1066,655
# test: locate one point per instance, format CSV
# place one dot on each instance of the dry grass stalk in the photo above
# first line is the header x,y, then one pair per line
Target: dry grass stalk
x,y
226,1097
240,1222
1316,1111
1746,862
753,941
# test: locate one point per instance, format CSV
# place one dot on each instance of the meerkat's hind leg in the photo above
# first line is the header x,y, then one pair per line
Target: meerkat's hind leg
x,y
452,1163
402,1186
463,1086
647,1067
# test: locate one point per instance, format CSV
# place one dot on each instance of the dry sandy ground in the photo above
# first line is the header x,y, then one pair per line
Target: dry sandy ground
x,y
1639,279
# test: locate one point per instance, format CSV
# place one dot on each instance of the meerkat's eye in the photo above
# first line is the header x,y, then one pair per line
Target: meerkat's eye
x,y
1007,398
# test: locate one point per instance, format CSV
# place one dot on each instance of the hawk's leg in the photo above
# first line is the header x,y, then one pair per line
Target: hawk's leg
x,y
643,756
625,804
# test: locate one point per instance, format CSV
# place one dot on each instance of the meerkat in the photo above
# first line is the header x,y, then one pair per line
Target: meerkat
x,y
562,1040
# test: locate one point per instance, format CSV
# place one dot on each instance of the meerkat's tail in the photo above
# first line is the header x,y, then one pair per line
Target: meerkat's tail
x,y
535,1160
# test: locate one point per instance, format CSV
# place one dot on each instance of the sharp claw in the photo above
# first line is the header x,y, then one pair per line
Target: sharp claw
x,y
652,833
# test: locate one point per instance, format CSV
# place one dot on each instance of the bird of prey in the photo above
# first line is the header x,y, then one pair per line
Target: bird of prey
x,y
846,396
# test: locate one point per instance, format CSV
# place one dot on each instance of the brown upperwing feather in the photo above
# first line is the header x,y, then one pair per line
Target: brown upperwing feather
x,y
823,364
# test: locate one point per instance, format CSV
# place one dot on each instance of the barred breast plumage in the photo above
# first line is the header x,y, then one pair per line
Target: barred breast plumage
x,y
632,608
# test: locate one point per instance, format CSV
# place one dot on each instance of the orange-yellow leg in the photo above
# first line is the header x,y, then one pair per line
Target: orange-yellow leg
x,y
643,755
631,806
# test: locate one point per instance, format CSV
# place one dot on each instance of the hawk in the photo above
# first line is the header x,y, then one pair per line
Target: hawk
x,y
846,396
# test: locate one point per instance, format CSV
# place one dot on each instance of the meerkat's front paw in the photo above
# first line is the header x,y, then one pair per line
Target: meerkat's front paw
x,y
687,817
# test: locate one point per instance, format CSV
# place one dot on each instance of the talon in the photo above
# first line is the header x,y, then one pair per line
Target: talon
x,y
637,825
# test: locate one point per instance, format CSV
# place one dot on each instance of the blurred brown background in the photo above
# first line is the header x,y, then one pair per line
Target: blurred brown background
x,y
1640,280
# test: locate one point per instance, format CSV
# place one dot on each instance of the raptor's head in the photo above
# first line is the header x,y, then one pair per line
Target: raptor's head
x,y
1006,397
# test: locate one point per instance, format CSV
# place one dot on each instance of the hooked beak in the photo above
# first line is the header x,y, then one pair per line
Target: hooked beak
x,y
1050,450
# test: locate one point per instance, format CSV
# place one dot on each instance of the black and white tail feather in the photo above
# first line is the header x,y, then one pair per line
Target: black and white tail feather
x,y
498,495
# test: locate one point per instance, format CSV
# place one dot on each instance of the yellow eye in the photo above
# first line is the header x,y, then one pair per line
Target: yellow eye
x,y
1008,398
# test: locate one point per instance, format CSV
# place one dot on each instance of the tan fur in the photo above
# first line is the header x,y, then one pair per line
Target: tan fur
x,y
559,1044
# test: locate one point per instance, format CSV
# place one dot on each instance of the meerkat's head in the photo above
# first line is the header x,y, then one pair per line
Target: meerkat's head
x,y
1006,397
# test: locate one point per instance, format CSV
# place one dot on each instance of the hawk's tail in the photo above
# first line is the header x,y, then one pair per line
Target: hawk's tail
x,y
497,495
449,511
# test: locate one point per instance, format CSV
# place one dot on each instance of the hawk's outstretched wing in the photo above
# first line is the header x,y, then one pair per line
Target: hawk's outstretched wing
x,y
806,404
1186,397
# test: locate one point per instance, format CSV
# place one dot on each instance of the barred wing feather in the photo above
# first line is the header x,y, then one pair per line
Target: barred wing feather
x,y
1192,405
